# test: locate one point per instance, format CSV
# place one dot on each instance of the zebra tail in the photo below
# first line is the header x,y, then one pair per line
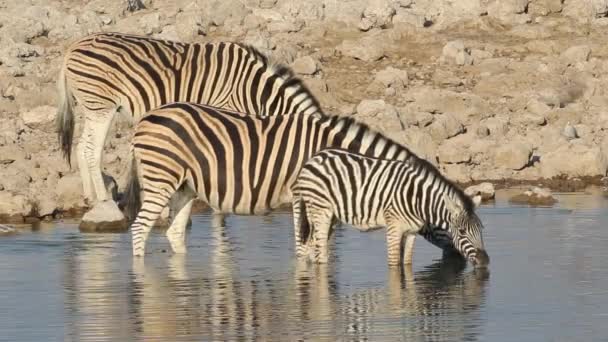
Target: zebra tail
x,y
65,116
305,231
132,192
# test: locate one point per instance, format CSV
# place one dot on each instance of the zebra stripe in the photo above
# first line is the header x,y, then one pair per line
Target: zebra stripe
x,y
404,196
107,73
235,163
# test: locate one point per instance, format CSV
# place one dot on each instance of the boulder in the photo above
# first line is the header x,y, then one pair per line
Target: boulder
x,y
544,7
453,153
509,11
363,49
485,190
7,230
104,217
574,160
576,54
455,52
42,117
378,13
305,65
13,207
69,193
514,155
535,196
379,115
444,127
190,24
585,10
391,78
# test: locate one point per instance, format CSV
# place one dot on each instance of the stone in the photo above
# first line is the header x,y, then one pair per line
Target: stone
x,y
537,107
46,205
391,78
574,160
13,207
444,127
7,230
457,172
514,155
305,66
190,24
586,10
528,120
536,197
379,115
40,117
544,7
11,153
69,193
421,144
575,54
104,217
453,153
150,23
220,12
569,132
361,49
378,13
509,11
455,52
485,190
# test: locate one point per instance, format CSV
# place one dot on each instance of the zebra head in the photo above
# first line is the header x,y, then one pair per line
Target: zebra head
x,y
463,229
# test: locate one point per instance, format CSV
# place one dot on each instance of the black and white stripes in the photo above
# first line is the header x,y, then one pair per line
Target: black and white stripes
x,y
404,196
236,163
107,73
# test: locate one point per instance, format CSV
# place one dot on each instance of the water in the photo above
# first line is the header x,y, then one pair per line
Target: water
x,y
548,281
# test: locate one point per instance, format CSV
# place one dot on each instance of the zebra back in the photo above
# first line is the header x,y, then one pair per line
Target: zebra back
x,y
239,163
105,72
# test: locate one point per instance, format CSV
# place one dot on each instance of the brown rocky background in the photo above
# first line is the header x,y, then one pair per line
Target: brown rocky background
x,y
498,90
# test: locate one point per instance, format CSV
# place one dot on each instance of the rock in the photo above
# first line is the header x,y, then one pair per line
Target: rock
x,y
104,217
15,179
513,155
453,153
379,115
482,131
544,7
509,11
584,11
455,52
537,107
391,78
40,117
221,11
190,24
574,160
46,206
485,190
444,127
457,172
7,230
150,23
11,153
528,120
378,13
362,49
69,193
13,207
569,132
575,54
480,55
421,144
305,66
535,196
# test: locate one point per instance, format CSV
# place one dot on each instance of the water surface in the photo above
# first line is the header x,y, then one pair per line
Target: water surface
x,y
547,281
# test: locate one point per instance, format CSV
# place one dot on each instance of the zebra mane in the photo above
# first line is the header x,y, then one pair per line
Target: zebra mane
x,y
282,71
411,158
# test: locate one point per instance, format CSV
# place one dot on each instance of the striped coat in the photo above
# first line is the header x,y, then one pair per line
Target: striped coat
x,y
405,196
106,73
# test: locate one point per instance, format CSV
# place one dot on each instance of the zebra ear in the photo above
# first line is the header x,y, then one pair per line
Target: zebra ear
x,y
455,207
476,200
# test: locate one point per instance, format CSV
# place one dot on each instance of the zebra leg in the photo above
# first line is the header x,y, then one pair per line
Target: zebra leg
x,y
394,243
322,227
218,219
409,249
151,208
298,215
89,152
177,231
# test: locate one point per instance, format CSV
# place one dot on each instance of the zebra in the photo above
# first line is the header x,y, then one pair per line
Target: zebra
x,y
108,73
235,163
404,196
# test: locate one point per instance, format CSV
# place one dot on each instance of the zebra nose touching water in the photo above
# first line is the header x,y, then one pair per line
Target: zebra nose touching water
x,y
407,197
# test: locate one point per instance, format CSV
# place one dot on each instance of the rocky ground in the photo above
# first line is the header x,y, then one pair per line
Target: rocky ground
x,y
498,90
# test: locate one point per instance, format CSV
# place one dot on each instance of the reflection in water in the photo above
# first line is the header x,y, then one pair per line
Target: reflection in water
x,y
214,302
